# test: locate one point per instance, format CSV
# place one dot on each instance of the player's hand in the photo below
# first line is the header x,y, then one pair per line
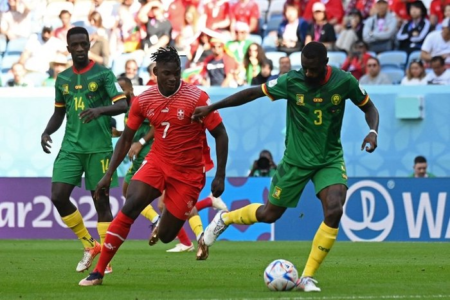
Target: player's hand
x,y
45,140
89,114
370,139
200,113
217,186
102,187
134,150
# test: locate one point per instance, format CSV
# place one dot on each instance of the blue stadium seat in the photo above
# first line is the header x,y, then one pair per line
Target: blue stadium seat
x,y
296,60
275,58
412,56
336,58
255,38
396,59
8,61
273,22
16,46
2,44
36,78
118,65
373,54
396,75
263,8
268,43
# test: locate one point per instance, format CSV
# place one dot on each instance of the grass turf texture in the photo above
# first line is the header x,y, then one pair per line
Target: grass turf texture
x,y
45,269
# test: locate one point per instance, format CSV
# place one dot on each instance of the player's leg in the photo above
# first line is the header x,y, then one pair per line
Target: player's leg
x,y
331,188
67,172
211,201
285,190
154,235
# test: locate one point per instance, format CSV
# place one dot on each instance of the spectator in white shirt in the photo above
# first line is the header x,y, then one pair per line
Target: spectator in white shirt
x,y
415,75
439,75
16,22
374,75
437,43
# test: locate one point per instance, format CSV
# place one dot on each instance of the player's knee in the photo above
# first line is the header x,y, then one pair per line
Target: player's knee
x,y
165,236
334,210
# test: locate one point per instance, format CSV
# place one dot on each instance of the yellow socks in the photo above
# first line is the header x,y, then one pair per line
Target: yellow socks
x,y
150,214
102,227
244,216
196,225
75,222
321,245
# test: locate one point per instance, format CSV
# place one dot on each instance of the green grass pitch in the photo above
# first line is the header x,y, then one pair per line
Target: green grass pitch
x,y
45,269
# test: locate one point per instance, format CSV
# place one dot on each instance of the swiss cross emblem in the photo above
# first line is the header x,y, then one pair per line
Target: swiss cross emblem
x,y
180,114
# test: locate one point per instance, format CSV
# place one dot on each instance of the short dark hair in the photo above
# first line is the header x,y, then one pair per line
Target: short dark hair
x,y
440,59
267,62
64,11
375,59
76,30
315,50
150,67
125,79
165,55
420,159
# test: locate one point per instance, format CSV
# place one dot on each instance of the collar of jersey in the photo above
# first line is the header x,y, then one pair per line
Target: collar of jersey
x,y
327,77
87,68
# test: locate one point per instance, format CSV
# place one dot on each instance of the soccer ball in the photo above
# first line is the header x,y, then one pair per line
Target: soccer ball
x,y
280,275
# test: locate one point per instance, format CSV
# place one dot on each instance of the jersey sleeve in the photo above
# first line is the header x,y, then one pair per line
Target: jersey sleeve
x,y
113,88
59,98
212,120
357,93
276,88
135,116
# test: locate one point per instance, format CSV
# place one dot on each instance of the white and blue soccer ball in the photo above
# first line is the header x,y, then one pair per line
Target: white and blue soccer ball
x,y
280,275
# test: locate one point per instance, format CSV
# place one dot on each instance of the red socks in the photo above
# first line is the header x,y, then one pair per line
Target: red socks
x,y
183,237
202,204
117,233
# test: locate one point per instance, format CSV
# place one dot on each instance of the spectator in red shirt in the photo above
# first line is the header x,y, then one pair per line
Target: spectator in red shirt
x,y
176,14
61,32
153,80
401,8
299,4
334,10
363,6
219,68
246,11
216,15
437,9
356,60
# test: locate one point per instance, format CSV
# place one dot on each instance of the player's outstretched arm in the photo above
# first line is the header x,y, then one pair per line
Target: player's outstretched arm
x,y
372,119
236,99
53,124
220,135
122,147
137,146
118,108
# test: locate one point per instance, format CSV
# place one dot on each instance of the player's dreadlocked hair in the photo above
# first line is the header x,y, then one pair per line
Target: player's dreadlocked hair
x,y
315,49
165,55
76,30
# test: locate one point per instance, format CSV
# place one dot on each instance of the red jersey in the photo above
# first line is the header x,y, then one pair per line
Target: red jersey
x,y
244,12
333,9
437,8
178,141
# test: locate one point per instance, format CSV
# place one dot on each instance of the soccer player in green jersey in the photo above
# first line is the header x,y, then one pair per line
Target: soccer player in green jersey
x,y
316,97
84,93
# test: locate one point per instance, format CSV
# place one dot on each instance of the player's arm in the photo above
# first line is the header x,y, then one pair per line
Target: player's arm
x,y
236,99
53,125
136,147
221,137
119,107
372,119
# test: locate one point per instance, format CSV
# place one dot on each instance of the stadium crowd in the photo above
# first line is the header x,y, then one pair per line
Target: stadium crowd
x,y
229,43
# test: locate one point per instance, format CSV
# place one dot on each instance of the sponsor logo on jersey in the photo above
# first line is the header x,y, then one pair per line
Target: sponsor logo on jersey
x,y
344,176
336,99
273,82
78,87
277,193
93,86
150,112
165,110
300,99
180,114
317,100
65,89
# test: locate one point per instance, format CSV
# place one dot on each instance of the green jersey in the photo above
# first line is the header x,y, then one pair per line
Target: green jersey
x,y
142,130
314,114
94,86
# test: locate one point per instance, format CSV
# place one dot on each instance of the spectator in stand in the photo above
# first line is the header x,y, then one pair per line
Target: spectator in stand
x,y
40,49
189,32
415,75
153,79
420,168
320,30
363,6
131,72
356,60
352,33
264,166
299,4
200,49
437,11
264,75
437,43
333,8
401,9
16,22
284,65
219,68
18,80
175,12
413,32
128,33
61,32
374,75
216,16
253,60
238,47
440,75
159,29
292,31
379,30
96,20
108,11
99,51
246,11
57,65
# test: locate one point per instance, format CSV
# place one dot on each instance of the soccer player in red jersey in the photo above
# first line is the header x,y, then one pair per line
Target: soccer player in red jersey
x,y
175,163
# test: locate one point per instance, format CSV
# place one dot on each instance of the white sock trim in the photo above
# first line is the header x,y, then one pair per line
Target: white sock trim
x,y
116,235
